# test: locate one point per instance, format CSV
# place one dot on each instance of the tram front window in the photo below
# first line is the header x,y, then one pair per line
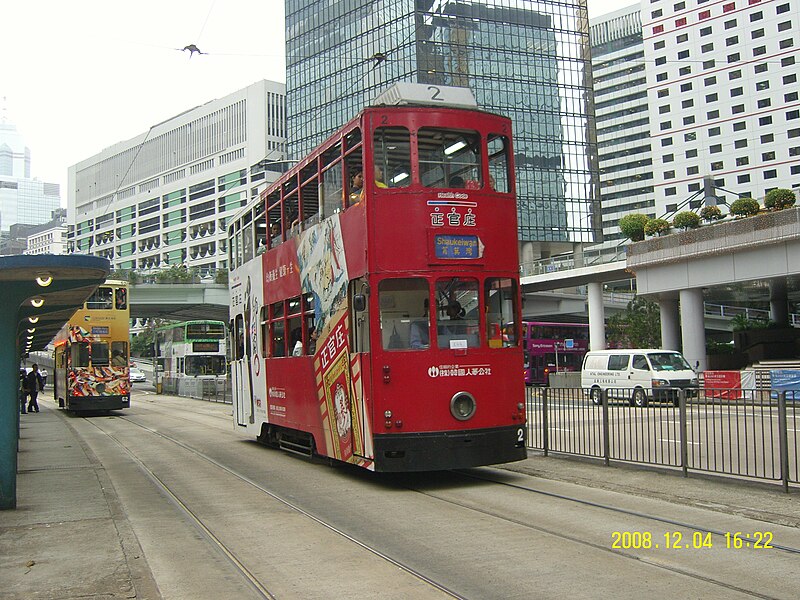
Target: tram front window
x,y
405,320
205,365
449,158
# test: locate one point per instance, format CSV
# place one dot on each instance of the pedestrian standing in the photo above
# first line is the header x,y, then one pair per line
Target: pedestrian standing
x,y
23,392
35,384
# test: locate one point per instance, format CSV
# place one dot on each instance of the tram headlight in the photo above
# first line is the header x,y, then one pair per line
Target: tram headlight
x,y
462,406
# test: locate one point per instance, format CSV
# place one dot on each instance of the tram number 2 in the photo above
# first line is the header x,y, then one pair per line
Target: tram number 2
x,y
520,436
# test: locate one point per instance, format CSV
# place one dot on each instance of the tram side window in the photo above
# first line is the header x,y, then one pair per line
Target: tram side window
x,y
449,158
79,354
392,155
500,299
277,331
99,354
332,189
458,314
404,318
239,338
498,163
264,323
103,298
121,299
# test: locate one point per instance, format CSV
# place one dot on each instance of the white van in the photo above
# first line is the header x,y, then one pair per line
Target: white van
x,y
637,375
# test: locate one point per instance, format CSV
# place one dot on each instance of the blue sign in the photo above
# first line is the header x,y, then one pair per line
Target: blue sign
x,y
99,330
456,246
787,380
569,344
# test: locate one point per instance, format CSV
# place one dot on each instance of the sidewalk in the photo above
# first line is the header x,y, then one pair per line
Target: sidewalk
x,y
68,537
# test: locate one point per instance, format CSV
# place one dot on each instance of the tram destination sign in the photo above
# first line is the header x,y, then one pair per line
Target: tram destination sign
x,y
448,246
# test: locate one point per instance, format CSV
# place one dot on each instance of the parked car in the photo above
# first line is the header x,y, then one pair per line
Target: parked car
x,y
137,375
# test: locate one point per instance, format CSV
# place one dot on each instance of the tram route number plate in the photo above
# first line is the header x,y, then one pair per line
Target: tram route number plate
x,y
456,246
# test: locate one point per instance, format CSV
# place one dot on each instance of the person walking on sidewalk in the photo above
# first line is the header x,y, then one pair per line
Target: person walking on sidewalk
x,y
35,384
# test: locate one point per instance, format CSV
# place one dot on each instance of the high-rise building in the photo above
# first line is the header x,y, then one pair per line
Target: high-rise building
x,y
527,61
622,117
22,199
722,83
51,237
164,197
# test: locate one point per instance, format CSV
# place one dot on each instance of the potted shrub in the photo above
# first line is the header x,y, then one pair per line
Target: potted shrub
x,y
744,207
632,226
656,226
686,220
779,198
710,213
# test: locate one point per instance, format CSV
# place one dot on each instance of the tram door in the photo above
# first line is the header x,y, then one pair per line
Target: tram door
x,y
240,370
359,317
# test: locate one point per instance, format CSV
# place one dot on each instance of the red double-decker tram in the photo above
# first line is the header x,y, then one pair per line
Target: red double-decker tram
x,y
374,323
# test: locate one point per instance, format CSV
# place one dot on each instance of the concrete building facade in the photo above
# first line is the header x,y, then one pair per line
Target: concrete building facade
x,y
164,197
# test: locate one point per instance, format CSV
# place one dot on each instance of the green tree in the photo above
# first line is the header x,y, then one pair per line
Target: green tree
x,y
632,226
142,344
744,207
638,327
656,226
779,198
686,220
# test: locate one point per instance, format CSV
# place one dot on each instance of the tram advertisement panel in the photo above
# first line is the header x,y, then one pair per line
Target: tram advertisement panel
x,y
106,380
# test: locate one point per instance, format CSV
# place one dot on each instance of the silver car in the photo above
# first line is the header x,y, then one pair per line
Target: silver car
x,y
137,375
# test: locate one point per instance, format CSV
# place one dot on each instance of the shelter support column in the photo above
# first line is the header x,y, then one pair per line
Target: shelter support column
x,y
778,301
597,317
693,331
670,326
9,410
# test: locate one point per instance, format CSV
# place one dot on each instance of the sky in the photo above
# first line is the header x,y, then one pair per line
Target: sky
x,y
77,77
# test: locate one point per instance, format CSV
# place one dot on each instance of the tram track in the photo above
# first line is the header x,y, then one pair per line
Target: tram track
x,y
262,590
601,547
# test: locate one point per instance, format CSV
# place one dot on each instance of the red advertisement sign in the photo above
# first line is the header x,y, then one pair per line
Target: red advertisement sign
x,y
723,384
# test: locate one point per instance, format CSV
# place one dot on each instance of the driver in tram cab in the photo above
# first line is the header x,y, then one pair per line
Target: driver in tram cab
x,y
454,324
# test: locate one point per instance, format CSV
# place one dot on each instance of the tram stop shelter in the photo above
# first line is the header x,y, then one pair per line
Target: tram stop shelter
x,y
38,294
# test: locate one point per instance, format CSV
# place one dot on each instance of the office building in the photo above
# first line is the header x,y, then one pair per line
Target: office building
x,y
723,89
164,197
527,61
23,200
622,117
50,238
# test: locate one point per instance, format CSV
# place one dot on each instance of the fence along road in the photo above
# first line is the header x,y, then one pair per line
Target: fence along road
x,y
748,433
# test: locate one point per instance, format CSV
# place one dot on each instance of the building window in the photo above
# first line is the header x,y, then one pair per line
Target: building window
x,y
785,26
710,81
787,79
737,109
756,16
715,148
684,37
663,93
757,33
658,29
688,120
732,58
712,114
730,24
732,40
736,92
707,47
669,174
763,121
690,137
764,103
670,191
761,68
743,179
789,60
793,133
661,60
693,187
663,109
716,166
770,174
680,22
687,103
692,170
667,141
666,125
794,151
683,54
709,64
704,14
790,97
656,14
668,158
742,161
712,97
659,45
759,50
705,31
737,74
661,77
679,6
740,126
729,7
685,71
786,43
686,87
782,9
762,85
768,156
691,153
740,144
792,114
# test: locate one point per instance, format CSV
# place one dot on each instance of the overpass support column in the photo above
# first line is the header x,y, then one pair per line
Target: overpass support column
x,y
670,326
597,317
693,327
778,301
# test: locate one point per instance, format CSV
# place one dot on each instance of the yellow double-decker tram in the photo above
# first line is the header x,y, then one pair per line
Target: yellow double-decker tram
x,y
92,353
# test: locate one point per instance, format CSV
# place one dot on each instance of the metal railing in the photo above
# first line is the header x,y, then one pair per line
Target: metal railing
x,y
740,432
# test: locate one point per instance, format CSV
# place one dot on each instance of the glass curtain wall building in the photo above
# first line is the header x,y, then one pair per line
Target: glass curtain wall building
x,y
527,60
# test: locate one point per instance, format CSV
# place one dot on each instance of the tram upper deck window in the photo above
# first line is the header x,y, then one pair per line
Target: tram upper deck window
x,y
392,155
498,163
449,158
103,297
